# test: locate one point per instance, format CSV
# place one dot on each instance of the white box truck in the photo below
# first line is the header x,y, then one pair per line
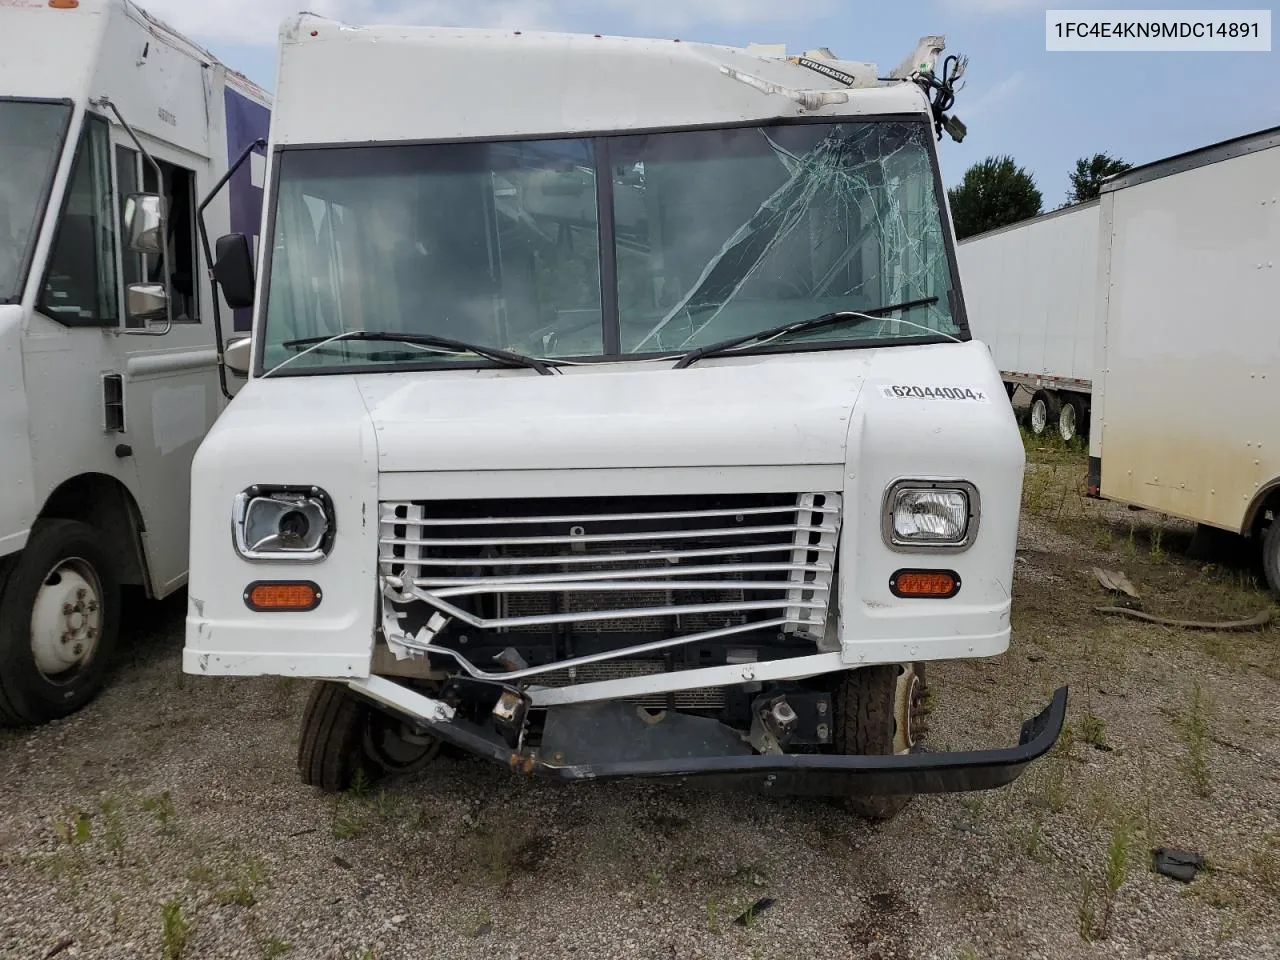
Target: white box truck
x,y
111,127
1030,293
1187,369
611,412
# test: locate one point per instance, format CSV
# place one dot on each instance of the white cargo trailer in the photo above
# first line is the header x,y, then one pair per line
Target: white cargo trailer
x,y
1030,292
112,127
1187,383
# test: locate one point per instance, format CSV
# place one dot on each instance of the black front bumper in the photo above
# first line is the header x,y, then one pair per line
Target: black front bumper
x,y
821,774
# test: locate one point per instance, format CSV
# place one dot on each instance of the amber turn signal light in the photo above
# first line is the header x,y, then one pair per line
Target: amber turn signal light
x,y
282,595
932,584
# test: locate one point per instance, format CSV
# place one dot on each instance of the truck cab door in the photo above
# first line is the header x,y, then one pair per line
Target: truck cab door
x,y
171,395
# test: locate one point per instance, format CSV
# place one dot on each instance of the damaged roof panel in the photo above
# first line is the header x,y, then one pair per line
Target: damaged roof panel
x,y
425,83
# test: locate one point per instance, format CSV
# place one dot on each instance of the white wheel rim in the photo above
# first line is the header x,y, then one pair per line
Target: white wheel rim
x,y
1039,416
1067,422
904,737
66,619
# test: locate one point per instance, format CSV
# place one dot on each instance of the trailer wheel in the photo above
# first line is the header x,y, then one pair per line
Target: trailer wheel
x,y
344,736
1042,412
880,711
59,617
1271,556
1071,418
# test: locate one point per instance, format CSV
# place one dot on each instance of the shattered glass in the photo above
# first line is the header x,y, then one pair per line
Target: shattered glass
x,y
716,233
762,226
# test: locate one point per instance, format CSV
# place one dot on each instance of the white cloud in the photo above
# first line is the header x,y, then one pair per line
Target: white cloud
x,y
257,22
996,7
992,98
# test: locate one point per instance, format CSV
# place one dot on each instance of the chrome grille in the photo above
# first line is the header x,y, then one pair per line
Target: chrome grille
x,y
676,568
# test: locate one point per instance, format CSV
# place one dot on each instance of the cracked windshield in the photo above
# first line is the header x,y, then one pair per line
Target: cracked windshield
x,y
715,234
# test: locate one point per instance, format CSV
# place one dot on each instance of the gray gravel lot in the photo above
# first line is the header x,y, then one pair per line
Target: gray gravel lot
x,y
167,820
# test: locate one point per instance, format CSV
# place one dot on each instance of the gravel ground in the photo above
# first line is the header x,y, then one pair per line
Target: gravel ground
x,y
167,820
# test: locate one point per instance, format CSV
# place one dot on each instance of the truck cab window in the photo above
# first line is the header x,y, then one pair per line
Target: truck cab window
x,y
179,189
80,282
127,182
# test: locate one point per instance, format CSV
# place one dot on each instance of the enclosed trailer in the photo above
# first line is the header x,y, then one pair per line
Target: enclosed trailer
x,y
1187,384
1030,293
112,129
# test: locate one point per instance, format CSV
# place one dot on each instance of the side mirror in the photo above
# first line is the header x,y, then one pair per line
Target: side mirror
x,y
144,218
233,269
147,301
235,356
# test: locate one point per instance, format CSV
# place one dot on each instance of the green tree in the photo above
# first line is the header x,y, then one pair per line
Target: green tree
x,y
1086,180
994,193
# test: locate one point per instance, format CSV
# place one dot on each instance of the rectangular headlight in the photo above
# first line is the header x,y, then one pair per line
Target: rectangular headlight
x,y
283,524
928,513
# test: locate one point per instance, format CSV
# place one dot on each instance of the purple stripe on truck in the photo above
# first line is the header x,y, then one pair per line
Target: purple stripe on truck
x,y
247,120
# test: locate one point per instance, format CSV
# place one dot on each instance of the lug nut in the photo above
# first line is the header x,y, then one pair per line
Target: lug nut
x,y
81,593
68,609
92,632
78,649
92,606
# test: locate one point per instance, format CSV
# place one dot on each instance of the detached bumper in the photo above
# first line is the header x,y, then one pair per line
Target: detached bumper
x,y
699,755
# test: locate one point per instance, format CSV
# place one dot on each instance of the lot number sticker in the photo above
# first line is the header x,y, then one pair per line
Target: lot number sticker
x,y
934,392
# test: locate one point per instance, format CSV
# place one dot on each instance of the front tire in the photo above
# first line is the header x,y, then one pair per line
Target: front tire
x,y
59,619
879,711
344,737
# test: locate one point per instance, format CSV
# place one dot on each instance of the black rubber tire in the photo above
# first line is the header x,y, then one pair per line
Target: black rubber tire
x,y
344,735
1271,556
1051,408
27,697
866,723
331,745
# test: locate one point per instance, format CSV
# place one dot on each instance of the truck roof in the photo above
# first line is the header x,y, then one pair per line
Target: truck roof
x,y
342,84
77,32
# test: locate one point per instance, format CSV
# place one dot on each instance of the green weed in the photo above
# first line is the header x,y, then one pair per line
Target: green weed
x,y
1196,733
174,931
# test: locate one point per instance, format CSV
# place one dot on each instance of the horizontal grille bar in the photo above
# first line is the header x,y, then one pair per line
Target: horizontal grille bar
x,y
602,558
389,516
601,537
587,586
636,613
569,578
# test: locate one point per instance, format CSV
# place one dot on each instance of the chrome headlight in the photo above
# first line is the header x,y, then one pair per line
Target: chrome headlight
x,y
930,514
292,524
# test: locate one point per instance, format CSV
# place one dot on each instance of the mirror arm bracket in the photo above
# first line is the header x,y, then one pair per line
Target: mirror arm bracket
x,y
258,144
168,293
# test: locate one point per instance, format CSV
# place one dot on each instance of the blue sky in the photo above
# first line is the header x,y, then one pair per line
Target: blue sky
x,y
1044,109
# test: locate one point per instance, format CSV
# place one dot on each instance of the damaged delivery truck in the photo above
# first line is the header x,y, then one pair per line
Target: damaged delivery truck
x,y
611,412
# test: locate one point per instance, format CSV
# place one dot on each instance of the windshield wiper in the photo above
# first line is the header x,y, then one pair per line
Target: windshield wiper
x,y
505,357
798,326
